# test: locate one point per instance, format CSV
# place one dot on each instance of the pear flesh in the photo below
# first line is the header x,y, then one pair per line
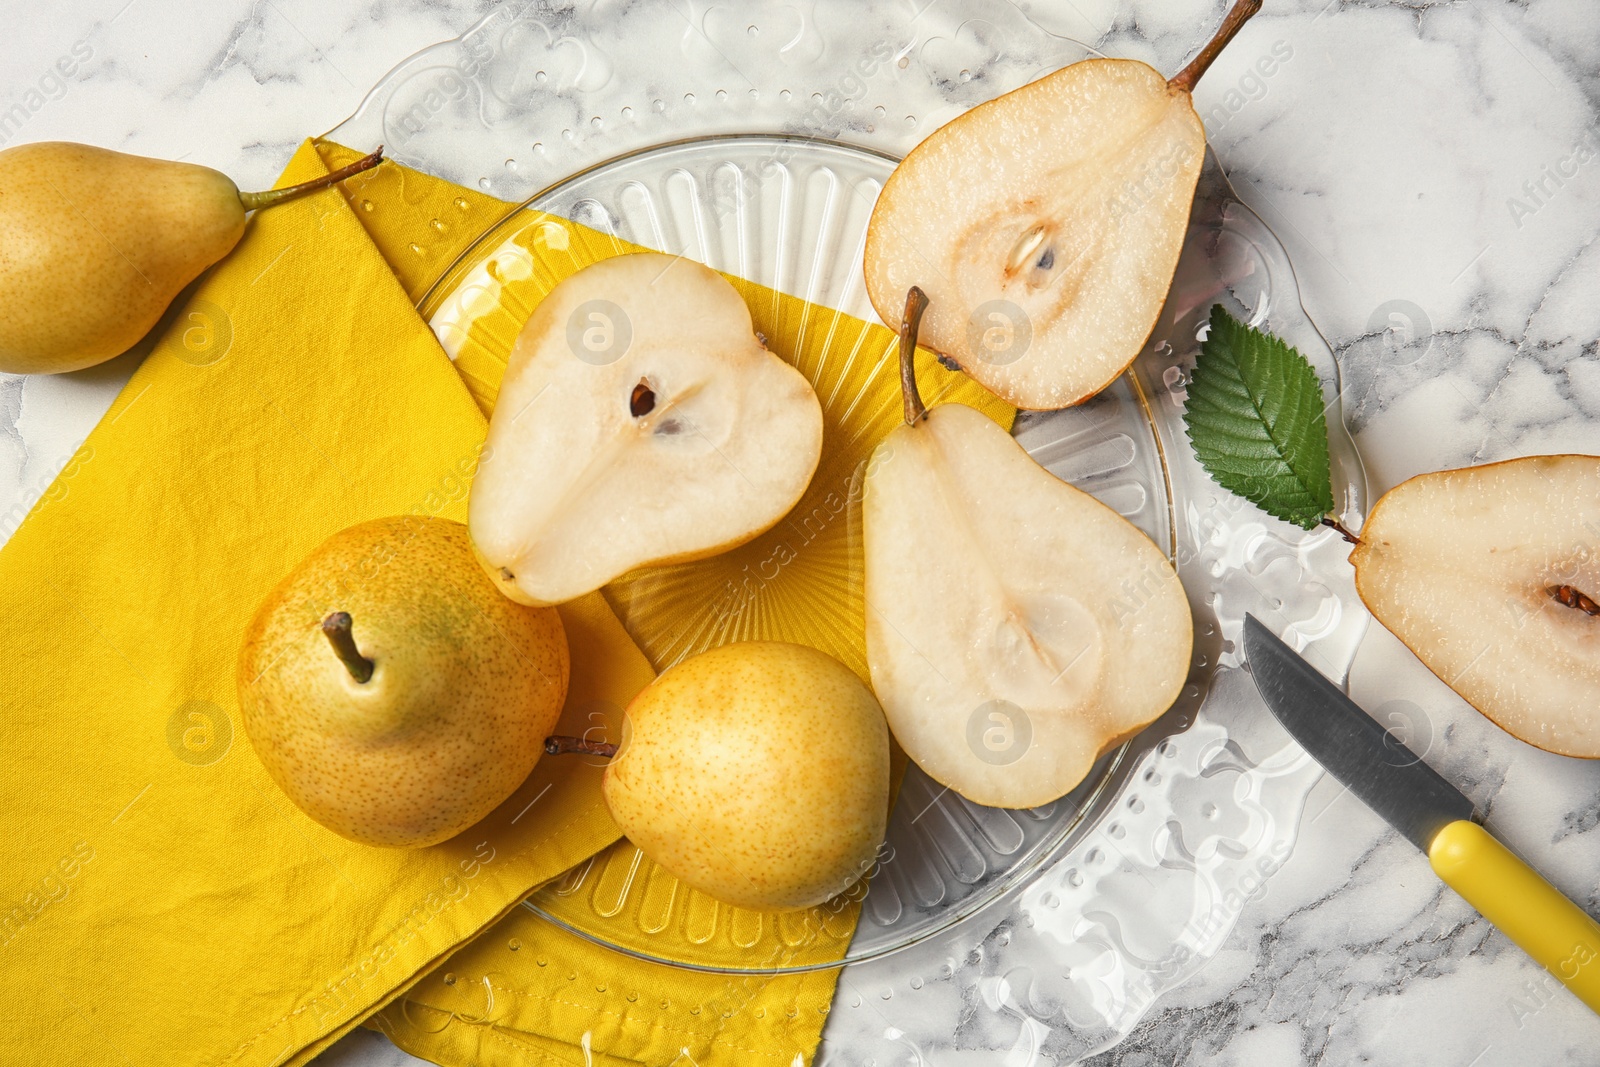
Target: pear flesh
x,y
640,422
1491,575
757,773
461,685
1045,225
1017,628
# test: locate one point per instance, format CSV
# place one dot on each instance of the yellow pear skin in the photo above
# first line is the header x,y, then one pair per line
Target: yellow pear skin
x,y
95,244
757,772
464,684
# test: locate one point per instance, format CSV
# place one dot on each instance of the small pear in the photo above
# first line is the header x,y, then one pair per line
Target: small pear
x,y
98,243
757,772
1017,628
1491,575
1045,225
392,693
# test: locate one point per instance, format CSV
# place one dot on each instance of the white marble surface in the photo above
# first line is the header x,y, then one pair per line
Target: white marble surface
x,y
1390,152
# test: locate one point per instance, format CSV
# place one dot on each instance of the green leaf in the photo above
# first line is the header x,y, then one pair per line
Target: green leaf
x,y
1255,418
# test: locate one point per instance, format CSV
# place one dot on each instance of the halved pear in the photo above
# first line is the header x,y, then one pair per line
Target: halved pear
x,y
1045,225
640,421
1491,575
1017,628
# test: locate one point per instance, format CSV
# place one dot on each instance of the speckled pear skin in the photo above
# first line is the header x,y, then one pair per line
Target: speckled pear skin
x,y
757,772
465,686
94,246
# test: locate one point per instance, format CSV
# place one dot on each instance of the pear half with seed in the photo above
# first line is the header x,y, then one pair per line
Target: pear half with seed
x,y
1017,628
640,421
1045,225
1491,575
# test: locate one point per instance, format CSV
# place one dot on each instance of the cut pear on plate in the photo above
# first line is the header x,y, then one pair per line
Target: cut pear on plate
x,y
1491,576
1045,225
640,422
1017,628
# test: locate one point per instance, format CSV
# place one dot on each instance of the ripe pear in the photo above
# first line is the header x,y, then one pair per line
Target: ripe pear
x,y
98,243
757,772
1491,575
1017,628
1045,225
640,422
392,693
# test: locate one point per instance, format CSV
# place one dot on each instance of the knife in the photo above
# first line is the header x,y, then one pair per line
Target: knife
x,y
1430,812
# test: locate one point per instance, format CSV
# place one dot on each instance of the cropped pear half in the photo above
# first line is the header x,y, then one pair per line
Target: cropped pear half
x,y
1045,225
757,772
95,244
1017,628
392,693
641,421
1491,575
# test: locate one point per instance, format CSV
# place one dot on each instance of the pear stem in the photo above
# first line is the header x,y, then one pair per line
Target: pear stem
x,y
916,304
561,746
1184,81
1334,524
1569,597
336,627
254,201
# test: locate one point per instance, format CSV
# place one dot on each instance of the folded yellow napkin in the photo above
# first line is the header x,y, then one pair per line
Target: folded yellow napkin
x,y
161,902
526,991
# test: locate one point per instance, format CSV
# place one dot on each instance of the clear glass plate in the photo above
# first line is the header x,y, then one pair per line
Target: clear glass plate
x,y
755,139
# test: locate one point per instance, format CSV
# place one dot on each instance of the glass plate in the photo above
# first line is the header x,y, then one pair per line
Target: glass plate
x,y
754,139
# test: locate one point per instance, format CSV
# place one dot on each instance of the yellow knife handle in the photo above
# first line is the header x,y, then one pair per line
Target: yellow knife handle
x,y
1559,935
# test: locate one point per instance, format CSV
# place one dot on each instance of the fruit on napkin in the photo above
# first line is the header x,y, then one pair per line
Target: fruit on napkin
x,y
757,772
640,422
98,243
1491,575
391,691
1045,225
1004,641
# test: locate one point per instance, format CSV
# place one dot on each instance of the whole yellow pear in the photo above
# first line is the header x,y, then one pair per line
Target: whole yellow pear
x,y
95,244
391,691
757,772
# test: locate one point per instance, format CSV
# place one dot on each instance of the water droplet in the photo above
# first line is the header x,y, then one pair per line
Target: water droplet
x,y
694,1011
887,994
595,122
484,184
366,205
1005,938
1153,777
916,982
572,976
1167,749
784,94
752,31
449,979
436,224
688,98
416,248
599,989
1209,810
461,204
566,135
905,61
540,961
538,146
1094,856
1164,349
722,94
1135,805
911,120
541,77
965,75
658,105
1074,879
513,944
1050,900
855,1002
633,998
1117,831
664,1005
627,112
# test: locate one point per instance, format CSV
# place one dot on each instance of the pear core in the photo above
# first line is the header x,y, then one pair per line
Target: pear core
x,y
464,685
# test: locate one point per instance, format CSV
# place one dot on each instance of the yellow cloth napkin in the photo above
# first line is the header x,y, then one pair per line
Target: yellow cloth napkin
x,y
526,991
161,902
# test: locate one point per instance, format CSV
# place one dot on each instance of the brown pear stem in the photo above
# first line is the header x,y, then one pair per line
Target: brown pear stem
x,y
1569,597
1334,524
562,746
337,629
1184,81
916,304
255,201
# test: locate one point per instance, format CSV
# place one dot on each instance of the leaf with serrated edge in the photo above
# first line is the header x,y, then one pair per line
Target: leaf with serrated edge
x,y
1255,418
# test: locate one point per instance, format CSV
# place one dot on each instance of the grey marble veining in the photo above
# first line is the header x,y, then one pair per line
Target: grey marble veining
x,y
1424,163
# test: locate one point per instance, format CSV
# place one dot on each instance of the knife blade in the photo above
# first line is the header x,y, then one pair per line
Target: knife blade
x,y
1430,812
